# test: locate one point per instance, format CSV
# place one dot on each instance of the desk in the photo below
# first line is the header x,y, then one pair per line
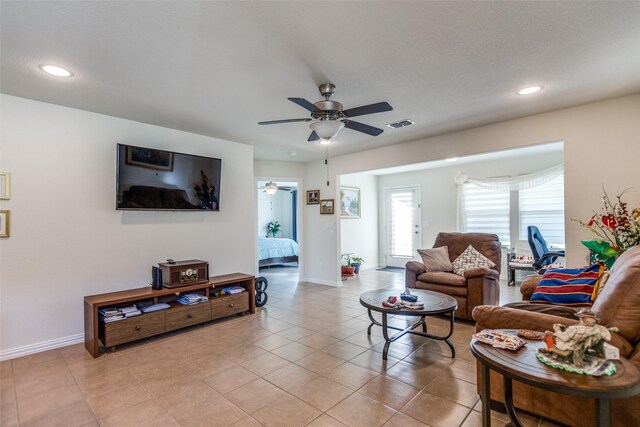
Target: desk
x,y
511,269
522,365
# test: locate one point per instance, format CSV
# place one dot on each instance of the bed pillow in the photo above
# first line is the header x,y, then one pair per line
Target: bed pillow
x,y
469,259
436,259
568,286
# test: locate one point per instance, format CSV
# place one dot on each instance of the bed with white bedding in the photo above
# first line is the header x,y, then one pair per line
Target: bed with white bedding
x,y
272,250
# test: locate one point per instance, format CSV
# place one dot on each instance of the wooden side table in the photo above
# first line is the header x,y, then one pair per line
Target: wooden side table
x,y
522,365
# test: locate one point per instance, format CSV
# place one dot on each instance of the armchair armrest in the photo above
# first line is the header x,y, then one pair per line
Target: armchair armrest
x,y
494,317
416,267
528,286
412,270
482,272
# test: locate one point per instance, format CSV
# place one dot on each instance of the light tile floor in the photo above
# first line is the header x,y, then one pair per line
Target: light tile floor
x,y
303,359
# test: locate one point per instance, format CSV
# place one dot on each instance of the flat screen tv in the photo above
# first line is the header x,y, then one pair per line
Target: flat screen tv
x,y
150,179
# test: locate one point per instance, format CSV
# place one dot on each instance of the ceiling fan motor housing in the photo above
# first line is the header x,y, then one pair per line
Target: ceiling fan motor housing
x,y
331,110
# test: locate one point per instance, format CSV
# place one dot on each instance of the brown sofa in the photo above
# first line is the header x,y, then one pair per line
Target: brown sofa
x,y
618,305
478,286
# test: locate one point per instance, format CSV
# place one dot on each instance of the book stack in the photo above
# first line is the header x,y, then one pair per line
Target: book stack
x,y
191,299
231,290
108,315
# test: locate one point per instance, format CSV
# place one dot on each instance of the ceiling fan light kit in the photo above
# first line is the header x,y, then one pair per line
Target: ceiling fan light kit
x,y
328,117
271,188
326,129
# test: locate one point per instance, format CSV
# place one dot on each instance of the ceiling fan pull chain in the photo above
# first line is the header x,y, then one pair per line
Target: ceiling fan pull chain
x,y
326,161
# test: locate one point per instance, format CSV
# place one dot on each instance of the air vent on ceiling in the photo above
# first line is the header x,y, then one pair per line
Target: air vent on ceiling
x,y
400,123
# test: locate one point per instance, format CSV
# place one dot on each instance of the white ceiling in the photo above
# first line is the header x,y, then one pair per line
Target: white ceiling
x,y
217,68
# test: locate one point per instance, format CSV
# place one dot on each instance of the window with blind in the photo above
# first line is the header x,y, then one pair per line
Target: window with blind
x,y
543,206
402,220
485,210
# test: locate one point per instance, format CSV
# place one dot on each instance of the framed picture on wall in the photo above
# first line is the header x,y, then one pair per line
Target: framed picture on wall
x,y
149,158
4,223
5,186
326,206
349,202
313,197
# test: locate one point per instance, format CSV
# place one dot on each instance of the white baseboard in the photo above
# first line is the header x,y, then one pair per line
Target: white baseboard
x,y
321,282
40,347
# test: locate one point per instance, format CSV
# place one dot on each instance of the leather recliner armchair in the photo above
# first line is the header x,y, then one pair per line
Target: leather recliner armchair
x,y
617,305
478,286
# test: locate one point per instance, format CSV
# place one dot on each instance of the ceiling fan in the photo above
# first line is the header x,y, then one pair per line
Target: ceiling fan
x,y
328,117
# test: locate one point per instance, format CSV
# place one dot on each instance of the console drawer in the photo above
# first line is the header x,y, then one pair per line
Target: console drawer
x,y
186,315
229,304
134,328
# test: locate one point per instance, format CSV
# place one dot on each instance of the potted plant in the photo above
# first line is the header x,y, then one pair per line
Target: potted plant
x,y
356,262
347,270
273,228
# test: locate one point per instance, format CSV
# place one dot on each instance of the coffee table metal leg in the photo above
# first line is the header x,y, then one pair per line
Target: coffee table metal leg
x,y
451,323
508,402
373,321
603,412
385,334
485,395
424,324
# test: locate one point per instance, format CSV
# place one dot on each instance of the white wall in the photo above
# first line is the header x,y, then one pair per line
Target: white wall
x,y
360,235
67,240
601,147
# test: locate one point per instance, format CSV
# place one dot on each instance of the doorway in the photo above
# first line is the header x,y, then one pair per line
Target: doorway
x,y
402,224
278,248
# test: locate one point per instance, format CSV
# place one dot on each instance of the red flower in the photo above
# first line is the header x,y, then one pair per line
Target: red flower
x,y
591,221
609,221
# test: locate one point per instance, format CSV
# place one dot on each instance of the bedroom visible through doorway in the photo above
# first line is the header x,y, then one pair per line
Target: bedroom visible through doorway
x,y
278,230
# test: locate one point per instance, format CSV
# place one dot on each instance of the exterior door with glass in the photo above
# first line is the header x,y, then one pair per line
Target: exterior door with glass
x,y
402,224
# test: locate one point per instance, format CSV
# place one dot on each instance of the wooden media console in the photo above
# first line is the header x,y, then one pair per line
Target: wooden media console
x,y
177,316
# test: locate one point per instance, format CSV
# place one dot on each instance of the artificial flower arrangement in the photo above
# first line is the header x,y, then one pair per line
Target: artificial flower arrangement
x,y
615,229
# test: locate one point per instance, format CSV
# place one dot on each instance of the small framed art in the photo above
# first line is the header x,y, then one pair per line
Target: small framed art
x,y
349,202
313,197
5,186
326,206
4,223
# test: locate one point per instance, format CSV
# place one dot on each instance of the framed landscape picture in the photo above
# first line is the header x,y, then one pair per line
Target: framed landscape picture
x,y
313,197
326,206
4,223
349,202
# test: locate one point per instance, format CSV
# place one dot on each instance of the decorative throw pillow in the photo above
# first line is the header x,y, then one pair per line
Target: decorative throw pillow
x,y
469,259
436,259
566,286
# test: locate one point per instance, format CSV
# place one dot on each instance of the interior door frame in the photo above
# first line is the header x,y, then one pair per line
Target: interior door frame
x,y
385,224
299,219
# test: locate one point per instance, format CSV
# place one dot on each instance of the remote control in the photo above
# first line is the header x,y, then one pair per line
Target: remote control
x,y
409,298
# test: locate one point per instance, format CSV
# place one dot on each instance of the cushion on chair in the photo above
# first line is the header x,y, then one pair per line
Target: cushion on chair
x,y
436,259
443,278
469,259
568,286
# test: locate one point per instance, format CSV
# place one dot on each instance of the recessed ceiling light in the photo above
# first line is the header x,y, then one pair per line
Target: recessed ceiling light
x,y
529,90
451,159
55,70
292,153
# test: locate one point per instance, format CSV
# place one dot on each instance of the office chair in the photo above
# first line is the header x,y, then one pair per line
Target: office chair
x,y
541,254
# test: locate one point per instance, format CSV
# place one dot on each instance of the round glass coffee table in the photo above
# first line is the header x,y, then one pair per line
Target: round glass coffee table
x,y
435,303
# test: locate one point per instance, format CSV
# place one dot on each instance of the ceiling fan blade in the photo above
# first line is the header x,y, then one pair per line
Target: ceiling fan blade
x,y
275,122
368,109
361,127
305,104
314,136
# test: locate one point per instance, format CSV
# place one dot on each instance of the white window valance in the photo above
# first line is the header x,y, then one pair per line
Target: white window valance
x,y
513,183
